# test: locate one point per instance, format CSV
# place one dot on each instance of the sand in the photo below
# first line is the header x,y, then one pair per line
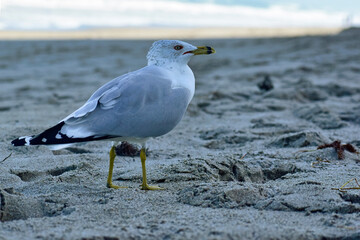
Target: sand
x,y
276,191
166,33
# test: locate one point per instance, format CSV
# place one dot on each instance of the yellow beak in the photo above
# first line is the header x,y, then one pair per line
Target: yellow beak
x,y
203,50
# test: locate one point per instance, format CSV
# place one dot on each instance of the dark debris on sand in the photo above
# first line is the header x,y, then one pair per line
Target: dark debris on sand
x,y
339,148
266,84
129,150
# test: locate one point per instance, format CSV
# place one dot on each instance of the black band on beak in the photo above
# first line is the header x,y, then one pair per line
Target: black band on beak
x,y
209,51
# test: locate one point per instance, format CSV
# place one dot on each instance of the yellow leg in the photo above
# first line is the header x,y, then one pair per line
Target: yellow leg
x,y
111,167
144,185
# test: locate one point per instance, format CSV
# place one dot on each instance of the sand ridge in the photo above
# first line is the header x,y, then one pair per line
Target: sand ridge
x,y
165,33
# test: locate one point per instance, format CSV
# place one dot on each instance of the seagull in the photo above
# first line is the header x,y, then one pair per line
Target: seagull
x,y
134,107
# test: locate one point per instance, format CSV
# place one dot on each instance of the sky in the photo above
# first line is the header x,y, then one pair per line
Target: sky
x,y
81,14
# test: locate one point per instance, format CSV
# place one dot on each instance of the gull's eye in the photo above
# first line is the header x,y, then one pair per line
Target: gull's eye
x,y
178,47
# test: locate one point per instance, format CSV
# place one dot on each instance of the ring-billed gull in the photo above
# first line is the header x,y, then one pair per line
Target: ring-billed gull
x,y
134,107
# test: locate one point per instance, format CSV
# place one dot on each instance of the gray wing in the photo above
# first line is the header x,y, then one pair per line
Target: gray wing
x,y
138,104
108,89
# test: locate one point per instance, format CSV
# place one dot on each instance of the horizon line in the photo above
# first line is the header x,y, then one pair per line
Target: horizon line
x,y
144,33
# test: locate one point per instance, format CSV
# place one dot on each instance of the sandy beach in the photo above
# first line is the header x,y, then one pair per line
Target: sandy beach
x,y
242,164
151,33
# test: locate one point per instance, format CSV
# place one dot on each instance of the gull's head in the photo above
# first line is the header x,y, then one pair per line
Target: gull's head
x,y
174,51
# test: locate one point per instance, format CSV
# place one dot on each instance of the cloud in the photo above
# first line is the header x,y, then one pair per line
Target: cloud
x,y
73,14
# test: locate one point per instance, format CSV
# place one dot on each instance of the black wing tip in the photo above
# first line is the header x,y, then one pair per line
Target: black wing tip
x,y
18,142
48,137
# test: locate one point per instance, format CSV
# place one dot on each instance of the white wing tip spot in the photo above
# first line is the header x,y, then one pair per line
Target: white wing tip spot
x,y
27,140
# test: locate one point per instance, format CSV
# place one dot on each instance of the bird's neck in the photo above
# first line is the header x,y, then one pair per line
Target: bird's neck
x,y
179,68
168,63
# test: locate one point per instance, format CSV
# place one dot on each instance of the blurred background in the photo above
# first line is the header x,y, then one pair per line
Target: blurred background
x,y
230,17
